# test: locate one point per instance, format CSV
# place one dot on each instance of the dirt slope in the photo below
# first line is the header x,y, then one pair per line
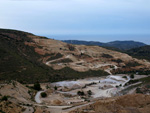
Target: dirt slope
x,y
136,103
83,58
25,56
17,92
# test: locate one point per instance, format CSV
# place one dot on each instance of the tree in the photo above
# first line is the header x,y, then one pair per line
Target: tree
x,y
43,95
117,86
4,98
37,86
80,93
89,92
132,76
55,87
138,90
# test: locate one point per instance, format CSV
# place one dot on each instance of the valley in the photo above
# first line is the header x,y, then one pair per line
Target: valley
x,y
39,75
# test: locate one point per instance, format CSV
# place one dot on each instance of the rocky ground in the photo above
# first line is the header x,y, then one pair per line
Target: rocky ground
x,y
18,98
66,98
136,103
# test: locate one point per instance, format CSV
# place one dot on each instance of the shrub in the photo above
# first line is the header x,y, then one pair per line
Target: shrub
x,y
55,87
132,64
89,92
107,56
43,95
47,87
117,86
132,76
4,98
2,111
138,90
71,47
117,60
124,77
148,86
37,86
55,56
80,93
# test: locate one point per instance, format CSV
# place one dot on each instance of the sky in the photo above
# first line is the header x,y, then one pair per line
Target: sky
x,y
97,20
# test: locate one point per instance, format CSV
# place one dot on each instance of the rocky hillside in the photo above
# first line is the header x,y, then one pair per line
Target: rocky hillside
x,y
25,56
17,98
136,103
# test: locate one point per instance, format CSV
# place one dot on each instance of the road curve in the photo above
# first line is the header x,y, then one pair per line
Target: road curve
x,y
37,97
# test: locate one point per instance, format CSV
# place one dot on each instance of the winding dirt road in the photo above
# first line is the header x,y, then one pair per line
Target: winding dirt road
x,y
37,97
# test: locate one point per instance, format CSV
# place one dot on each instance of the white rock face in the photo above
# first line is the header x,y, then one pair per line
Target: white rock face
x,y
104,87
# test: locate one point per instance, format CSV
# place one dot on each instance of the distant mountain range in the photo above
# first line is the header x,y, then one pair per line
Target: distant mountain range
x,y
121,45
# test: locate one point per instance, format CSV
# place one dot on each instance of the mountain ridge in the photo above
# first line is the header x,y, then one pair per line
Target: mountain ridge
x,y
122,45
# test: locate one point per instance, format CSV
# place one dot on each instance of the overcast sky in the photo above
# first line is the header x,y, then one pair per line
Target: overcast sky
x,y
78,17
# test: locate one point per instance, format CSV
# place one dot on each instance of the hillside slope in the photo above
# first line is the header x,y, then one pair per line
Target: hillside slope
x,y
135,103
83,58
141,52
22,59
28,58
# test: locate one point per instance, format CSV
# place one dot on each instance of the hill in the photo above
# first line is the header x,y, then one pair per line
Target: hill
x,y
141,52
28,58
20,60
121,45
135,103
